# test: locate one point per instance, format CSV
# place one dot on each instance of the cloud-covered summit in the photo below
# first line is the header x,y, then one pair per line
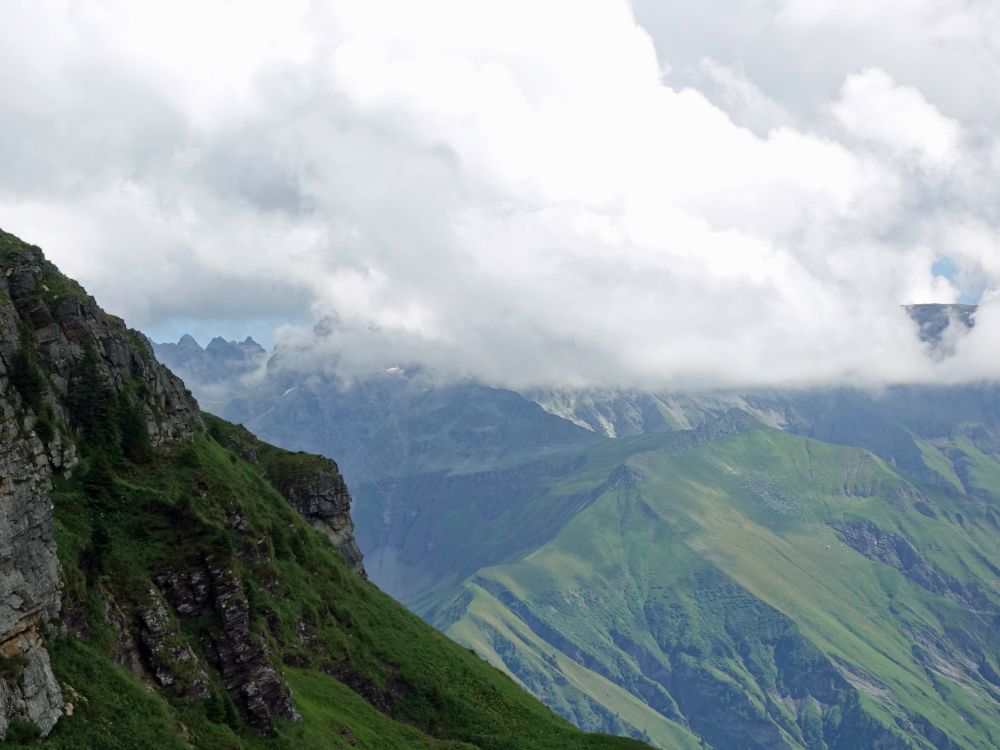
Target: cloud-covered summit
x,y
534,193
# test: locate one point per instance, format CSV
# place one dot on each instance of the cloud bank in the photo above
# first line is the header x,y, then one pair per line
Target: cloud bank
x,y
528,193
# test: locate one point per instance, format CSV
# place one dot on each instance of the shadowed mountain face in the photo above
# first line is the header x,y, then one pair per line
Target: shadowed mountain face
x,y
463,447
216,371
218,361
779,569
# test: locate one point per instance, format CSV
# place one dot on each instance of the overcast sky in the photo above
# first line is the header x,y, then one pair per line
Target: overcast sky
x,y
665,194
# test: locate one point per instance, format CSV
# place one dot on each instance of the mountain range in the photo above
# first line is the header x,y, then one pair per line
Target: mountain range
x,y
171,581
807,568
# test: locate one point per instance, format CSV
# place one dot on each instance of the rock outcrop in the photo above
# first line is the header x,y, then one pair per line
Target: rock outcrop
x,y
62,326
207,588
29,567
313,485
29,570
173,663
322,499
68,369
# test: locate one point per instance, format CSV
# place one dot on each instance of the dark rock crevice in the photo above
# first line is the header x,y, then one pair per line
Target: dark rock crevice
x,y
242,658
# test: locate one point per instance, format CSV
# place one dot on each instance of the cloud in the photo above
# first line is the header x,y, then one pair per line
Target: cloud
x,y
800,51
741,98
875,108
514,192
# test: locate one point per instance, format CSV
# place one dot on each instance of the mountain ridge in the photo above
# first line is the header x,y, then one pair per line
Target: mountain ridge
x,y
171,581
464,545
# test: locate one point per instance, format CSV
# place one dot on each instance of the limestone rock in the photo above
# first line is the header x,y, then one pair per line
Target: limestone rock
x,y
54,332
29,569
323,500
28,689
241,657
64,328
173,663
312,485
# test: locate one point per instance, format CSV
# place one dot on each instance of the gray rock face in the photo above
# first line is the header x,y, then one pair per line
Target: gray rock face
x,y
63,330
32,693
56,332
29,568
324,502
243,659
609,412
312,485
173,663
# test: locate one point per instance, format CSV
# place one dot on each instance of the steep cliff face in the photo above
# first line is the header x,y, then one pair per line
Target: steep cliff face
x,y
64,329
72,374
53,337
312,485
29,569
168,580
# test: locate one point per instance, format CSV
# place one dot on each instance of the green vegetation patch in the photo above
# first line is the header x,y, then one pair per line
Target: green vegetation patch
x,y
362,662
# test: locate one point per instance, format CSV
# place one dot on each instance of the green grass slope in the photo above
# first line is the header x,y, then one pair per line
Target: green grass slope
x,y
335,628
194,595
760,590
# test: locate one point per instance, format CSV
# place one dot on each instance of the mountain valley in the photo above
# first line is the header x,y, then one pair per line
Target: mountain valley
x,y
782,569
171,581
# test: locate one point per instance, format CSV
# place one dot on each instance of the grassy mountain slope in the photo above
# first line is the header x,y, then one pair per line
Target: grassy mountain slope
x,y
464,448
756,589
763,589
303,600
199,610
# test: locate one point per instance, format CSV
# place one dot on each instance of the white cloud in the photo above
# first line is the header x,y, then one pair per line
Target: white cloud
x,y
741,98
874,107
858,13
510,191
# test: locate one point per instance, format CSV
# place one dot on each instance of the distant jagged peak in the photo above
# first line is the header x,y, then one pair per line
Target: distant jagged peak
x,y
219,368
188,342
936,317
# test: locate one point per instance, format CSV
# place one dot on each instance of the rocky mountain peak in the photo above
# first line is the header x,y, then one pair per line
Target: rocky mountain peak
x,y
188,342
79,388
934,319
221,364
67,369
